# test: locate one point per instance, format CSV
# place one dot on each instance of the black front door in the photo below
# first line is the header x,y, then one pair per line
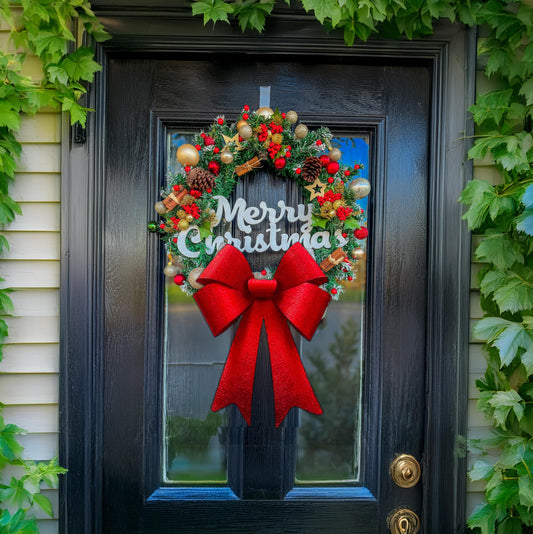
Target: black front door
x,y
145,487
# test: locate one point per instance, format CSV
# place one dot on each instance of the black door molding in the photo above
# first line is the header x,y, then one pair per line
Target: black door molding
x,y
139,31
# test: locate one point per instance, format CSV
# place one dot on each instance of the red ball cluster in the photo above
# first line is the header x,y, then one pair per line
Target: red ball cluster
x,y
329,196
275,128
279,163
361,233
343,213
214,167
195,193
192,209
273,150
263,134
208,141
324,160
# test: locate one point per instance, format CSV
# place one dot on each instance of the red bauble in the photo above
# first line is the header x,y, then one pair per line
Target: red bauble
x,y
332,167
198,147
298,171
334,291
246,107
214,167
350,278
179,279
361,233
319,142
345,235
208,141
357,167
324,159
187,168
176,187
346,173
245,116
220,121
330,180
216,150
263,272
209,190
203,135
280,163
287,154
175,239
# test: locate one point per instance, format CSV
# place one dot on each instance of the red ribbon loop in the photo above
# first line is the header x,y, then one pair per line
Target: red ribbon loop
x,y
293,295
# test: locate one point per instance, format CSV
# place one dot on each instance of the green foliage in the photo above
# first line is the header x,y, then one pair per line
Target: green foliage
x,y
43,29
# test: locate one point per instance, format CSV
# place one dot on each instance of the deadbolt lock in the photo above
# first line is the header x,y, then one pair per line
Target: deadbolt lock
x,y
403,521
405,471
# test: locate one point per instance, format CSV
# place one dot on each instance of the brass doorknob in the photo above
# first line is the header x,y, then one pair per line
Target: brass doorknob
x,y
405,471
403,521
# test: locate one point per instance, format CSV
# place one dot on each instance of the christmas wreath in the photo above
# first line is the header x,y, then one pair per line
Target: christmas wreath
x,y
194,203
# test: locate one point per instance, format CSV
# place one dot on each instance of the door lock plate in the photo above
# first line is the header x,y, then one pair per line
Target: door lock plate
x,y
403,521
405,471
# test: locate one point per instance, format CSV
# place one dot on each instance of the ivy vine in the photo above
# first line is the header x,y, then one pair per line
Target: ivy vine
x,y
502,214
51,30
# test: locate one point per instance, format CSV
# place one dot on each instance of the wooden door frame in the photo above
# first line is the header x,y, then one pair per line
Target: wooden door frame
x,y
171,30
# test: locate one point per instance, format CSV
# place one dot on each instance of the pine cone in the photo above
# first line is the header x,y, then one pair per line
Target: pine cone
x,y
311,169
200,179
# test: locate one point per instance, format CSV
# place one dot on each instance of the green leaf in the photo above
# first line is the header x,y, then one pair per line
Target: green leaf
x,y
524,222
351,223
480,471
525,491
527,91
316,220
44,503
205,229
80,65
483,517
478,194
499,249
512,291
320,7
8,116
212,10
505,401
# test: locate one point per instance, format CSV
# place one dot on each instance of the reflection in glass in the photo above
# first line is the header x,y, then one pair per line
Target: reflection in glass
x,y
195,438
329,444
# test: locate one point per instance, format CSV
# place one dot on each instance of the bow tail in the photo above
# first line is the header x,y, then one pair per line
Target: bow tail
x,y
237,381
290,382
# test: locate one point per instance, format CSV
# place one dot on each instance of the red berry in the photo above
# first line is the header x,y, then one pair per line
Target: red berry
x,y
283,115
203,135
357,166
162,226
324,160
319,142
179,279
346,173
187,168
298,171
334,291
220,121
350,278
198,147
279,163
240,139
331,180
362,211
175,240
263,272
332,167
246,107
216,150
176,187
342,182
345,235
245,116
361,233
287,154
209,190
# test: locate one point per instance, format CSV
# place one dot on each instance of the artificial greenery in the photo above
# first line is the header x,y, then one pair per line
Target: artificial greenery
x,y
501,214
51,31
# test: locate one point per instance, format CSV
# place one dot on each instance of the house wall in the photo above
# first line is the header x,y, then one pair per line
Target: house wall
x,y
29,379
29,370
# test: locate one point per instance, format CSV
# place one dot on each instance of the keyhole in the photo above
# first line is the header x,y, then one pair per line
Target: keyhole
x,y
404,525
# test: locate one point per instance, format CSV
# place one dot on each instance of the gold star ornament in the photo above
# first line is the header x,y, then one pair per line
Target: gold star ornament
x,y
317,188
232,141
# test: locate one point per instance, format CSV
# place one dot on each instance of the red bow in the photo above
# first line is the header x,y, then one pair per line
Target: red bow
x,y
293,295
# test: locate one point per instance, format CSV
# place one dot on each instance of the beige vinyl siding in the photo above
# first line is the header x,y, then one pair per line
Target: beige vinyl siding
x,y
478,426
30,366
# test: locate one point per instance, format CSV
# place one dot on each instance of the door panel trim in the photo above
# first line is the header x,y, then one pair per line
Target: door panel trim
x,y
452,52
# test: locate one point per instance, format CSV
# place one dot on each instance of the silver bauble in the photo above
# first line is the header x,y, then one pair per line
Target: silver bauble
x,y
358,253
300,131
245,131
292,116
360,187
335,154
160,208
193,276
171,271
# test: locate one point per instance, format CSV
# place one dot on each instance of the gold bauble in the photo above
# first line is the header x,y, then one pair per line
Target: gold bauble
x,y
226,157
332,214
160,208
170,271
189,218
337,204
358,253
193,276
188,155
335,154
183,224
300,131
327,205
240,124
360,187
265,111
277,138
181,214
292,116
245,131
